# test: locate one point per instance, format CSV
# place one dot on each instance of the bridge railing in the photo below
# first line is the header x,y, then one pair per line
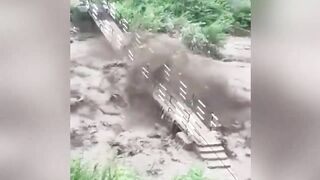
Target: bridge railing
x,y
178,93
110,8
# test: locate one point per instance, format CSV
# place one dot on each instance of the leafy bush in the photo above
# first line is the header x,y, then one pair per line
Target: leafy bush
x,y
241,13
214,33
193,37
203,40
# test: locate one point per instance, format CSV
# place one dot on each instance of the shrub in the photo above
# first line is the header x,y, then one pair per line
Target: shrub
x,y
193,37
214,33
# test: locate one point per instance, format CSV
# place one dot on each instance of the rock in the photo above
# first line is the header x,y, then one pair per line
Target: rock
x,y
106,124
175,160
113,144
154,135
118,100
134,152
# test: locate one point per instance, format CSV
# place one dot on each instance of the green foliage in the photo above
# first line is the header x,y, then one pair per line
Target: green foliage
x,y
241,13
203,40
192,174
214,33
200,22
193,37
80,170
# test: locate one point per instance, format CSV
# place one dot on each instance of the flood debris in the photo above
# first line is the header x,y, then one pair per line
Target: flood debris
x,y
154,135
118,100
76,98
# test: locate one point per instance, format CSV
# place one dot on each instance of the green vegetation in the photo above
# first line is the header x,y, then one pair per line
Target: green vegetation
x,y
202,25
241,13
193,174
81,170
199,22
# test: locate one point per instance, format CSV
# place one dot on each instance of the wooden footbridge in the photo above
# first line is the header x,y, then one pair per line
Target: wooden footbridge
x,y
194,119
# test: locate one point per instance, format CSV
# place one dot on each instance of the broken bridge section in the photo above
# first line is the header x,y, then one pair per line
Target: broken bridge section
x,y
192,123
106,17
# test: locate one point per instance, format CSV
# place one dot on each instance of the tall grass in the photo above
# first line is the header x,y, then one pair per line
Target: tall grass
x,y
81,170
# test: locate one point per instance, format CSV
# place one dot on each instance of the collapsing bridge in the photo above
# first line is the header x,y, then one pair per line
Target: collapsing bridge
x,y
181,108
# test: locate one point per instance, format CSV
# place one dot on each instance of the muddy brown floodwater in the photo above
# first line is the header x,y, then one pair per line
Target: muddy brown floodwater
x,y
103,126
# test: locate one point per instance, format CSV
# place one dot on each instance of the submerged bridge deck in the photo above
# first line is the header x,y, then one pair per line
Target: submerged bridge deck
x,y
207,143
